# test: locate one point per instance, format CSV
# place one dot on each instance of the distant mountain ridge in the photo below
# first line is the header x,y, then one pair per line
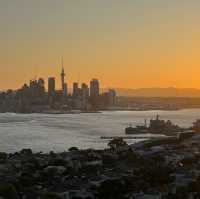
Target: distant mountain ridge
x,y
159,92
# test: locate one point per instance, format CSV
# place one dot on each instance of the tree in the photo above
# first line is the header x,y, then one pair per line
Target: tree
x,y
117,143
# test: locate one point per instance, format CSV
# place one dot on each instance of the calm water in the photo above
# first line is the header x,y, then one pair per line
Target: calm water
x,y
43,132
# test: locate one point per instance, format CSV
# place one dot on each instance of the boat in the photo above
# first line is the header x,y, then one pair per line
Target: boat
x,y
156,126
139,129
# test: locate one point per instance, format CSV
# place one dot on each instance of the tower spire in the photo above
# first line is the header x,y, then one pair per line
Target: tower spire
x,y
63,84
62,63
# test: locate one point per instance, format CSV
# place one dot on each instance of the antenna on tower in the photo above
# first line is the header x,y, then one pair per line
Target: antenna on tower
x,y
78,77
62,62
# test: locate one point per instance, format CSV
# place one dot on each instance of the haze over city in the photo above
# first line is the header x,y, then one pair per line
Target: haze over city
x,y
125,44
99,99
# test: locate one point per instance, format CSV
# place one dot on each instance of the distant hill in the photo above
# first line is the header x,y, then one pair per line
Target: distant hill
x,y
159,92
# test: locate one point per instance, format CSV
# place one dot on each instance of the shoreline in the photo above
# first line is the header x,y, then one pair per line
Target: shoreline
x,y
117,172
99,111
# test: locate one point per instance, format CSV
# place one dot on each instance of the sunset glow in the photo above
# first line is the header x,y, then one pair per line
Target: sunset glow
x,y
127,44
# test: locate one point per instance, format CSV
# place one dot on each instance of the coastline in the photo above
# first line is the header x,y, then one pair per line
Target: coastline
x,y
56,112
117,172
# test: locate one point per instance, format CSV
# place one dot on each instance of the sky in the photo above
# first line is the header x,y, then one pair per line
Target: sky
x,y
123,43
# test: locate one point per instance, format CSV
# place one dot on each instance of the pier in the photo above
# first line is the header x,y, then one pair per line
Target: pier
x,y
130,137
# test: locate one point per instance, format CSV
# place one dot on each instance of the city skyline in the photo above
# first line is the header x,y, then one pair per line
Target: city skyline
x,y
131,44
33,97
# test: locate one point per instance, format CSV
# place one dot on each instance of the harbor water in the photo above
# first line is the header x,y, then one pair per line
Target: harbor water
x,y
58,132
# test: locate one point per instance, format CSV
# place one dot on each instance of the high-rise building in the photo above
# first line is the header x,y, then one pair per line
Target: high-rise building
x,y
85,96
63,79
112,97
37,88
75,89
85,91
51,86
41,86
65,90
94,88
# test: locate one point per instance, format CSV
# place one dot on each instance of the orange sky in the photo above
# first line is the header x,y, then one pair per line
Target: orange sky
x,y
130,44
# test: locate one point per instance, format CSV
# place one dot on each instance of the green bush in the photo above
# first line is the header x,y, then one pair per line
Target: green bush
x,y
8,191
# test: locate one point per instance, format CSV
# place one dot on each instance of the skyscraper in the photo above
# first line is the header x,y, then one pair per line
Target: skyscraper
x,y
51,86
75,89
94,88
85,96
63,79
112,97
85,91
65,89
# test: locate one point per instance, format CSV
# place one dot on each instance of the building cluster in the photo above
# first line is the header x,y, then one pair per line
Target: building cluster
x,y
82,97
34,97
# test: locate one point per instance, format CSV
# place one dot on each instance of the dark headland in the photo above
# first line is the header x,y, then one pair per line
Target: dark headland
x,y
162,168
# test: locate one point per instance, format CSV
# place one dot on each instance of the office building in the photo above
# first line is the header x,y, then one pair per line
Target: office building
x,y
51,86
84,91
75,89
94,88
112,97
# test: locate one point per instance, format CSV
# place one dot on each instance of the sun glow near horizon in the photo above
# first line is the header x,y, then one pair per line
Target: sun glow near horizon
x,y
129,44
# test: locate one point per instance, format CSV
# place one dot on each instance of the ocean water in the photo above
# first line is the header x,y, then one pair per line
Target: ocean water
x,y
46,132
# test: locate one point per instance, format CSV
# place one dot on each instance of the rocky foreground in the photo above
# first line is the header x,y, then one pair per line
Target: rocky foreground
x,y
161,169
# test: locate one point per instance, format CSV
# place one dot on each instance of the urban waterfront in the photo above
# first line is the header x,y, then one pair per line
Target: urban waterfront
x,y
58,132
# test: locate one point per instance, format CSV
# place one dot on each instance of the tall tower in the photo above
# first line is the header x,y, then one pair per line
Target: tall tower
x,y
51,86
94,88
63,80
